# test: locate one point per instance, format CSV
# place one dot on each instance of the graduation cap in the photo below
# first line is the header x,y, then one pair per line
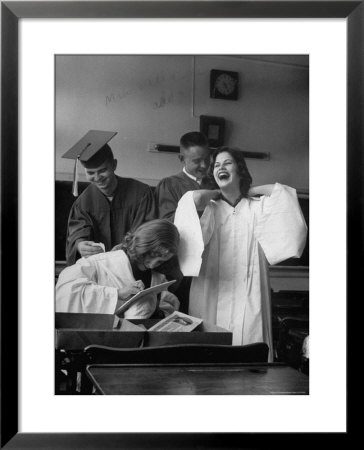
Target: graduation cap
x,y
91,150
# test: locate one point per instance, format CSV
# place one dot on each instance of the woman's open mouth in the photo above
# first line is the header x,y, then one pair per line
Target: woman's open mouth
x,y
223,175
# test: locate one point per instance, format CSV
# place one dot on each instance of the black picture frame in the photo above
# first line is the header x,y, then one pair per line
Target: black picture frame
x,y
11,13
214,129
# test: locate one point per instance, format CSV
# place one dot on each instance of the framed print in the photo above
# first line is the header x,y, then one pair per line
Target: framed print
x,y
13,214
214,129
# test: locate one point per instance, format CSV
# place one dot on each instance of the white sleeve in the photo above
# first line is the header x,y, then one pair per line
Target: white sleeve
x,y
280,227
77,291
194,234
168,303
143,308
191,242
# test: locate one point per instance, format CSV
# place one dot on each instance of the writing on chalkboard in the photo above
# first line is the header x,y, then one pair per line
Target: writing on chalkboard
x,y
164,100
168,82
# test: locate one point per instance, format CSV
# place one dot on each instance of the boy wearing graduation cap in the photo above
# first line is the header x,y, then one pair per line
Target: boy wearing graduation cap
x,y
110,206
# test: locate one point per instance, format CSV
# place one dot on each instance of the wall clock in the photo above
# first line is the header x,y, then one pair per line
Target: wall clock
x,y
224,84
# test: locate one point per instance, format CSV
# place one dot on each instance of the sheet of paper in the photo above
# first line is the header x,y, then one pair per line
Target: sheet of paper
x,y
177,321
154,289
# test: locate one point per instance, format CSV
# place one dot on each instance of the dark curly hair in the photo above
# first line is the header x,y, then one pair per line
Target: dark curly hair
x,y
155,238
242,169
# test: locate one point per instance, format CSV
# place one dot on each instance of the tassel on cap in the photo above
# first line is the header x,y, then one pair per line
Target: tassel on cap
x,y
75,178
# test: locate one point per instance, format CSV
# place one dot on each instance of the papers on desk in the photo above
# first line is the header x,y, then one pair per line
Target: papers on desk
x,y
143,294
177,321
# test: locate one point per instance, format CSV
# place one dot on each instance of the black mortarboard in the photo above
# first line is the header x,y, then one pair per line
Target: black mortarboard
x,y
92,150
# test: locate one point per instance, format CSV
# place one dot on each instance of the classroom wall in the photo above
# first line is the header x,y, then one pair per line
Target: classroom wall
x,y
156,99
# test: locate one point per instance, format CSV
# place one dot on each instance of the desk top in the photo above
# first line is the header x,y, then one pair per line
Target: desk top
x,y
76,331
198,379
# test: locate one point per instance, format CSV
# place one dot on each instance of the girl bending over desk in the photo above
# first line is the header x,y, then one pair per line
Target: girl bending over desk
x,y
241,234
102,282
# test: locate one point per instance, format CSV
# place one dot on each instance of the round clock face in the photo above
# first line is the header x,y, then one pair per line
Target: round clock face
x,y
225,84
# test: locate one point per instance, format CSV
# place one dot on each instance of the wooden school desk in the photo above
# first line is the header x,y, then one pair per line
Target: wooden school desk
x,y
199,379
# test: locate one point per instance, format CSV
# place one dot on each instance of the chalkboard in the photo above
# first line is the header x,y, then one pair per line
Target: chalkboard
x,y
155,99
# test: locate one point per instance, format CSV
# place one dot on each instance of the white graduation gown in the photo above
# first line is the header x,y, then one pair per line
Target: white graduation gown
x,y
90,286
232,288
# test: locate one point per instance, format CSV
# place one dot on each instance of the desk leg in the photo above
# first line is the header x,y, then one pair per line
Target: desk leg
x,y
65,374
86,384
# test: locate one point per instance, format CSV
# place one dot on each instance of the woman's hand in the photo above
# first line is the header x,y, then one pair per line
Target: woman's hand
x,y
132,289
202,197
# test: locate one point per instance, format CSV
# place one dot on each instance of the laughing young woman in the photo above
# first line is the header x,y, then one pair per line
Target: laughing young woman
x,y
242,235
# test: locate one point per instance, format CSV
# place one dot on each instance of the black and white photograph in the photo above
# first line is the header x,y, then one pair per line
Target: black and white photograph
x,y
181,220
182,186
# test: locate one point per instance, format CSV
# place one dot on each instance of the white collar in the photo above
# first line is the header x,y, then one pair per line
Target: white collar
x,y
191,176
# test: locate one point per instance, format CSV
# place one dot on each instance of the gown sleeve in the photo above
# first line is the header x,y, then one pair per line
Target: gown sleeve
x,y
78,292
280,227
168,302
79,229
194,234
166,200
146,210
146,306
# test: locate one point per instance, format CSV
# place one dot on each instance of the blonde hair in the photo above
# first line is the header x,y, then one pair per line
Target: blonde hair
x,y
157,238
